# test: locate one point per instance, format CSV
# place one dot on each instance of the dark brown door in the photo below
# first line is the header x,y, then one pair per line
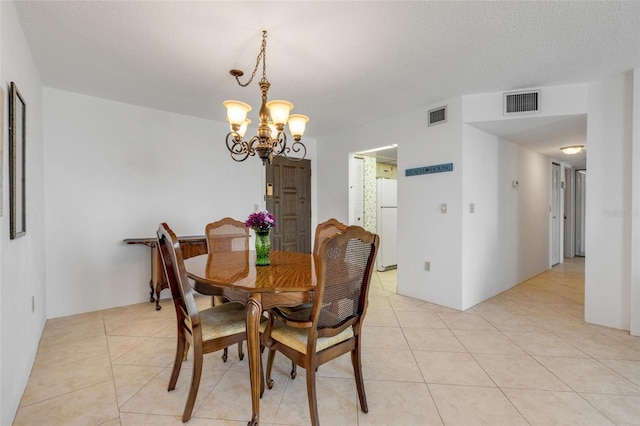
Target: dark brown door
x,y
288,198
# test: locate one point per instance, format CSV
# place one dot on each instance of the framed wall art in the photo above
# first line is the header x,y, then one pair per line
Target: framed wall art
x,y
17,163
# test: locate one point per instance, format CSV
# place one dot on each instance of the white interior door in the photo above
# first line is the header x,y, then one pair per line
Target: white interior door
x,y
569,214
581,192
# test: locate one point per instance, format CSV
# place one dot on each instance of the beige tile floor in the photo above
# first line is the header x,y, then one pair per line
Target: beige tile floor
x,y
523,357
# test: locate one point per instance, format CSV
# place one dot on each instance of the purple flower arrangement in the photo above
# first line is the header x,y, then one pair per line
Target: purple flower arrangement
x,y
260,221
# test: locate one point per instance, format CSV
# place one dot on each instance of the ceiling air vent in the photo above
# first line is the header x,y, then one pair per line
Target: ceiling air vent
x,y
521,102
438,115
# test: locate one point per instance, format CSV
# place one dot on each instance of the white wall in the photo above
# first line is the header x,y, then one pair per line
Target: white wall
x,y
554,101
473,257
502,244
505,241
634,305
22,261
424,233
609,211
3,144
115,171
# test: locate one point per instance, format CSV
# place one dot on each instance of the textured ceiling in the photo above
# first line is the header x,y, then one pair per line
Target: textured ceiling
x,y
341,63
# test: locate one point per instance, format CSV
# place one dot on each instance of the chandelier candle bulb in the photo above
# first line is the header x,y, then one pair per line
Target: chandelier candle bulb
x,y
243,128
236,112
279,112
297,123
274,130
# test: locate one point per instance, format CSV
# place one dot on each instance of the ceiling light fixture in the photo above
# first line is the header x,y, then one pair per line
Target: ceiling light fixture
x,y
271,139
571,150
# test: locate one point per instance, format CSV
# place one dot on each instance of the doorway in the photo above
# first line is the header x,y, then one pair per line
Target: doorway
x,y
569,214
555,214
373,205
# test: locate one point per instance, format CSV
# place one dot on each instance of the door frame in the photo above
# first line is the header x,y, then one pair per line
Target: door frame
x,y
569,213
556,229
580,211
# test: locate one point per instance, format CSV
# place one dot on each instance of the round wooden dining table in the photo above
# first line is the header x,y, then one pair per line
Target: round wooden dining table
x,y
289,280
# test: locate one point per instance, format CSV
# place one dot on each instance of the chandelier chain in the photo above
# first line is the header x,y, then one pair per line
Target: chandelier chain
x,y
262,55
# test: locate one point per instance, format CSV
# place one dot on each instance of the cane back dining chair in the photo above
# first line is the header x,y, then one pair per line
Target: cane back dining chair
x,y
205,331
225,235
333,325
324,230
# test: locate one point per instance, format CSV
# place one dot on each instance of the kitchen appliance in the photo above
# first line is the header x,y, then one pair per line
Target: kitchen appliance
x,y
386,223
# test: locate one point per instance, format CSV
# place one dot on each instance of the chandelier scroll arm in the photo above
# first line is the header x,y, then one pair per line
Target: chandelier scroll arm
x,y
297,147
279,144
239,149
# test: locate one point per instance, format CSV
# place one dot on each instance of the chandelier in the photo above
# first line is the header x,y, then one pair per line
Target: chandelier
x,y
271,139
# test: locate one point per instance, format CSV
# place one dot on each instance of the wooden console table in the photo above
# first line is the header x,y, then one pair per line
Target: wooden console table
x,y
191,246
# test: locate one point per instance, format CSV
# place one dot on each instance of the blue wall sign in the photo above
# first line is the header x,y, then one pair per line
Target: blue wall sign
x,y
438,168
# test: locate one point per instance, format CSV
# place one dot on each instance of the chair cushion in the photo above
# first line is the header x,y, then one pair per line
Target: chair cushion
x,y
287,310
296,338
222,320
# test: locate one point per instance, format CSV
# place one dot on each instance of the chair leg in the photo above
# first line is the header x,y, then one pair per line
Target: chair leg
x,y
311,396
357,372
294,371
195,384
270,358
186,350
240,353
181,353
261,376
219,300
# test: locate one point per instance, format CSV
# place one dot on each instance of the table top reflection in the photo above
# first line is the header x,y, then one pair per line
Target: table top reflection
x,y
288,271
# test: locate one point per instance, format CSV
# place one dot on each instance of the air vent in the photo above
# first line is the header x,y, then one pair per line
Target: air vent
x,y
522,102
438,115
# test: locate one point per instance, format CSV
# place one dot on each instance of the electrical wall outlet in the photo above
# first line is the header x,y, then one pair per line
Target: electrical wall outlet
x,y
443,208
427,266
472,207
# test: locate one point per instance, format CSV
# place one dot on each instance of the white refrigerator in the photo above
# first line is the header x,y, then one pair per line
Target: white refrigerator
x,y
387,210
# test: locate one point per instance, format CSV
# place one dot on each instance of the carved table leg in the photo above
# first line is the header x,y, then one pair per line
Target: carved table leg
x,y
152,282
151,293
254,311
158,290
157,273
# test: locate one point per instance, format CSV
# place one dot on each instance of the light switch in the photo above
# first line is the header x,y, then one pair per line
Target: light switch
x,y
443,208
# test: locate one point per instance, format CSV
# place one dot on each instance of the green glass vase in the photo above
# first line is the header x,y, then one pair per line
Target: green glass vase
x,y
263,245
